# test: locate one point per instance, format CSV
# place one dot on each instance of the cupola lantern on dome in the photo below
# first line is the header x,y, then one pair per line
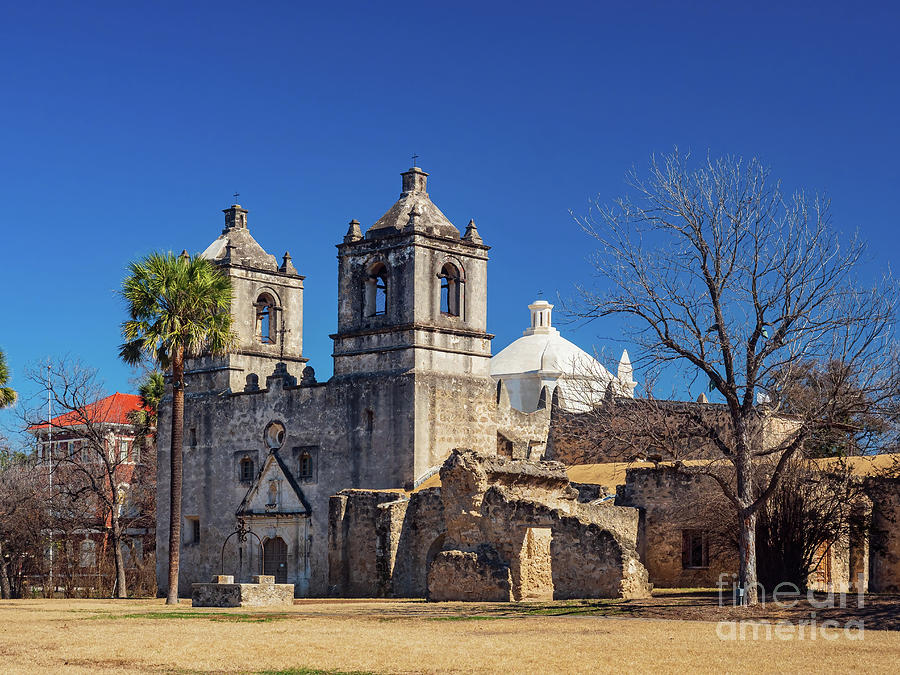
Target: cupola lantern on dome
x,y
414,180
541,312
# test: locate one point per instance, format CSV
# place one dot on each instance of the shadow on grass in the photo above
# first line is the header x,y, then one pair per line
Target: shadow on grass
x,y
211,616
314,671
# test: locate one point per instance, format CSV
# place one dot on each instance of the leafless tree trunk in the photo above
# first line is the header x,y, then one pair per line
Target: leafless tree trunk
x,y
5,588
724,279
116,529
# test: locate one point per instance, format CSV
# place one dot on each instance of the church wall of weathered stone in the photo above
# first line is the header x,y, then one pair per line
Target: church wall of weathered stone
x,y
410,383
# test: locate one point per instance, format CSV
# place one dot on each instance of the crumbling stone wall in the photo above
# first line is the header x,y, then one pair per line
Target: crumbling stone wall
x,y
884,556
670,503
496,529
630,429
380,541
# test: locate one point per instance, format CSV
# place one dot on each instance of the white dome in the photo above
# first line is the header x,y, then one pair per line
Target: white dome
x,y
544,358
547,353
542,349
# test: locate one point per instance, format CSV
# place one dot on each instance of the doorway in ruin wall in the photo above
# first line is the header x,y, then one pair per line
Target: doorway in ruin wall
x,y
534,566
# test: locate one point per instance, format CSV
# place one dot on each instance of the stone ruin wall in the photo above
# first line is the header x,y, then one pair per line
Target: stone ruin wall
x,y
884,550
670,502
496,529
624,430
379,541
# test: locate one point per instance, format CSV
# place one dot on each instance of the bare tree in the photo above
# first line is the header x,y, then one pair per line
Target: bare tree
x,y
23,521
725,278
95,482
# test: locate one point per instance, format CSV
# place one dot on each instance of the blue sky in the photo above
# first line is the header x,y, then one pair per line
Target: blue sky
x,y
128,126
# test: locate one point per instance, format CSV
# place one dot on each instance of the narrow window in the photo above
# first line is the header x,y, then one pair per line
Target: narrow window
x,y
123,499
376,291
192,437
504,446
694,549
123,451
136,452
306,466
370,421
246,469
193,529
265,319
450,290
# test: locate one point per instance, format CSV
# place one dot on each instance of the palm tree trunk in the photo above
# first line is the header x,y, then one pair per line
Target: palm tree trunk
x,y
175,481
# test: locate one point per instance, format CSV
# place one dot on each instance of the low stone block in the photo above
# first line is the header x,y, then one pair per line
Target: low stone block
x,y
458,575
266,594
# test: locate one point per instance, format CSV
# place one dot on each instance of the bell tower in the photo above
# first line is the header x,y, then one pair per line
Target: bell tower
x,y
412,291
412,353
267,311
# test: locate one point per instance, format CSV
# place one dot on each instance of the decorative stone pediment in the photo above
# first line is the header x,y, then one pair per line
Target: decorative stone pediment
x,y
274,492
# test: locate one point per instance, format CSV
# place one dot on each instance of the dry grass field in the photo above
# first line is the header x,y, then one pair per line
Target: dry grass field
x,y
404,636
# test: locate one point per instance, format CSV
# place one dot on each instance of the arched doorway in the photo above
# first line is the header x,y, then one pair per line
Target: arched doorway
x,y
276,559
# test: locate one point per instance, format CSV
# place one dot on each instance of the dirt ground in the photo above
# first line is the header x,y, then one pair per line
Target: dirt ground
x,y
670,632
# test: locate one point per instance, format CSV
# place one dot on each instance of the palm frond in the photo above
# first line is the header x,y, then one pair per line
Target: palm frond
x,y
175,302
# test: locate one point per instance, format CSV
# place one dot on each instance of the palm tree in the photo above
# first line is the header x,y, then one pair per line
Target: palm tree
x,y
151,390
179,308
7,394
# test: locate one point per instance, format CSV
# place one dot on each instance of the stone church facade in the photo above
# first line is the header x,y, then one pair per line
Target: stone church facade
x,y
266,443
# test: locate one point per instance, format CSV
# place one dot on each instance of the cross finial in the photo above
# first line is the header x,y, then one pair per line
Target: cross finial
x,y
236,195
414,158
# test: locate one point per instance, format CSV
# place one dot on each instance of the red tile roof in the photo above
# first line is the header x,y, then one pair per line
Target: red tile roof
x,y
115,409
